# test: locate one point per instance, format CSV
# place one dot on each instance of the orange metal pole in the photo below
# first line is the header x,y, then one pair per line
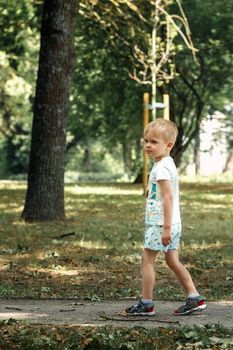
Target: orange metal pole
x,y
145,158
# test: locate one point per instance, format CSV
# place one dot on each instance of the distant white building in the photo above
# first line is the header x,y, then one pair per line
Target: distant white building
x,y
213,145
213,151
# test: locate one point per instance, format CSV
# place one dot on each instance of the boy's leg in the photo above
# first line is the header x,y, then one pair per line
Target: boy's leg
x,y
146,306
173,261
194,301
148,273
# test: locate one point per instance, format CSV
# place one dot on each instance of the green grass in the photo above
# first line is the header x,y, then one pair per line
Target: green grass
x,y
100,256
17,335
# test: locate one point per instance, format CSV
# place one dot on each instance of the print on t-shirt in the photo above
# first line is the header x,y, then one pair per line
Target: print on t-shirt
x,y
164,169
153,206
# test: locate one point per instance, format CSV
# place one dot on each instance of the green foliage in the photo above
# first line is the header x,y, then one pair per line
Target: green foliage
x,y
115,31
105,104
201,89
106,101
19,39
26,337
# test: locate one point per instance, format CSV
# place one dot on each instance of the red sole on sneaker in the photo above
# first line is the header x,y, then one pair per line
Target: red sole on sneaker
x,y
198,308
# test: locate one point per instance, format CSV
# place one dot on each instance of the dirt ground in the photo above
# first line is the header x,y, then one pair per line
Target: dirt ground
x,y
73,312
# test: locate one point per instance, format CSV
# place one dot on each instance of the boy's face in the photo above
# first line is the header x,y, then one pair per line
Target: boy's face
x,y
155,146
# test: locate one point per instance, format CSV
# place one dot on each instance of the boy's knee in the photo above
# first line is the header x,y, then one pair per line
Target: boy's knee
x,y
171,263
148,257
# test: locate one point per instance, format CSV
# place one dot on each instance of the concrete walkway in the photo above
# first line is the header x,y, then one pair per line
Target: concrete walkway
x,y
73,312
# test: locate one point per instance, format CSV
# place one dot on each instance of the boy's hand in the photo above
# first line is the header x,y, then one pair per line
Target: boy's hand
x,y
166,191
166,236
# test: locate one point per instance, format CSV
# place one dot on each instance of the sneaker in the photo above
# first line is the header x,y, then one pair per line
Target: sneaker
x,y
141,309
191,305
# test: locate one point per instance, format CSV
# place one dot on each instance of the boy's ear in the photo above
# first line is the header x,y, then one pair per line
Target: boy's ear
x,y
170,144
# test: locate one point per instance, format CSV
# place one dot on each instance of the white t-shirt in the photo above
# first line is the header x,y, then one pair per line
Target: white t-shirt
x,y
164,169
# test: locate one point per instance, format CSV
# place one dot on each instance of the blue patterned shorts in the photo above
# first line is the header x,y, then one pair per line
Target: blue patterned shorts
x,y
153,234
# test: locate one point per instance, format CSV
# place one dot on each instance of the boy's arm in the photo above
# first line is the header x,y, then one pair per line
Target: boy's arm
x,y
166,192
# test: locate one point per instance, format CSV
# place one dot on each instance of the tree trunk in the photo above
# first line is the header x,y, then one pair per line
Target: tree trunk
x,y
229,163
197,153
45,193
87,159
127,157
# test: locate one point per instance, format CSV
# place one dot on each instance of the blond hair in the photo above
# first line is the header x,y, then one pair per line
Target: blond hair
x,y
166,128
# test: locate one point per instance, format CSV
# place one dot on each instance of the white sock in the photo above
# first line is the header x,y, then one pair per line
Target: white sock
x,y
193,295
146,301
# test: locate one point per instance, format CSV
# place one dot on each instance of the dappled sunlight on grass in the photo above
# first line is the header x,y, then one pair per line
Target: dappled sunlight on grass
x,y
90,244
218,179
13,185
204,245
110,190
17,210
96,251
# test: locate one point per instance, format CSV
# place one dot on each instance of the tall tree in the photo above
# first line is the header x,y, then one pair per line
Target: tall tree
x,y
45,193
199,89
19,46
195,87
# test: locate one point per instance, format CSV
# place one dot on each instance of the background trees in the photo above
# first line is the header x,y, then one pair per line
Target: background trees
x,y
18,65
106,105
196,88
199,90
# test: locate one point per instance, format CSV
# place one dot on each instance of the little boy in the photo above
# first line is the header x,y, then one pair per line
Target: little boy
x,y
163,224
